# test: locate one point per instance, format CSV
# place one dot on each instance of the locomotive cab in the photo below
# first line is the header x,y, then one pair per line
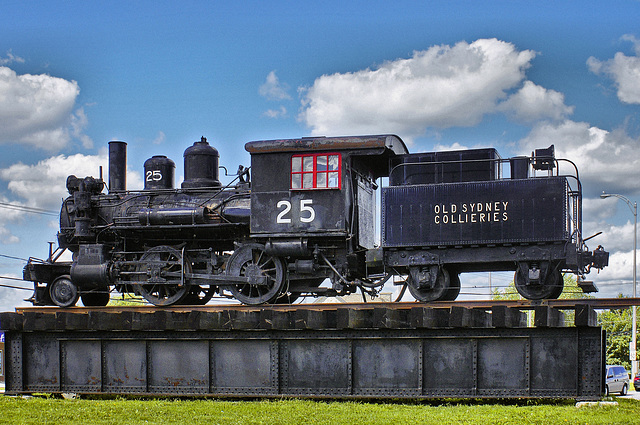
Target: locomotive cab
x,y
313,205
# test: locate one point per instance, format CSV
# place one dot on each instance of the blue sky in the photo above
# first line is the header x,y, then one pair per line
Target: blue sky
x,y
159,75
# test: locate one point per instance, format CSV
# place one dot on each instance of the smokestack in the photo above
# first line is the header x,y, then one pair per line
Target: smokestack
x,y
117,166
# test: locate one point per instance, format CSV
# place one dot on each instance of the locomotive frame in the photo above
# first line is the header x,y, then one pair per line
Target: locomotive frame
x,y
308,214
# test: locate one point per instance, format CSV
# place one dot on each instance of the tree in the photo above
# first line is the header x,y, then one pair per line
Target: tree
x,y
618,325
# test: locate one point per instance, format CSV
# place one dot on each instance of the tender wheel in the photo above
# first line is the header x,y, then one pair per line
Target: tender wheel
x,y
63,292
99,298
624,389
454,287
161,282
199,295
558,287
551,289
437,292
251,261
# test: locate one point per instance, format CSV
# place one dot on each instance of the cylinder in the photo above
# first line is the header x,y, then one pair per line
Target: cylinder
x,y
201,166
117,166
519,167
89,276
159,172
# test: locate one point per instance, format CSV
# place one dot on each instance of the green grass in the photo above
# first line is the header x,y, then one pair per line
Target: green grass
x,y
42,410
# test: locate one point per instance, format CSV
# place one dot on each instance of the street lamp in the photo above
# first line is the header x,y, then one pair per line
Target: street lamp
x,y
634,210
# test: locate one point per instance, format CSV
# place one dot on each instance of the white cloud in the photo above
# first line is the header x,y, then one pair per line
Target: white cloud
x,y
617,277
452,147
441,87
273,89
160,138
614,237
598,209
79,122
11,298
532,103
276,113
623,70
43,185
607,160
11,58
10,214
37,110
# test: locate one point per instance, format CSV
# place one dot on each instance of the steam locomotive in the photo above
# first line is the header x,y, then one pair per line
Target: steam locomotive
x,y
304,212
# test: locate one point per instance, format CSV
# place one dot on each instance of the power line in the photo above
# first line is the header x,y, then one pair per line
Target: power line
x,y
12,278
32,210
15,287
13,258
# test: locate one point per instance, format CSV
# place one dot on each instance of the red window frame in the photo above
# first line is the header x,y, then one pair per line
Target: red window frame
x,y
317,171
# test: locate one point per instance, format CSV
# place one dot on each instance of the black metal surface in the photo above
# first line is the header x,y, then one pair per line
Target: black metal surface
x,y
159,173
445,167
506,211
377,352
201,165
117,166
398,363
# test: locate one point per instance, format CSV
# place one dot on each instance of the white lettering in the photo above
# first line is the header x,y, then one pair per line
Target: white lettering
x,y
286,205
454,213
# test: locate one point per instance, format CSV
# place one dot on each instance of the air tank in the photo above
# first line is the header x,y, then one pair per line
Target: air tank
x,y
201,166
159,172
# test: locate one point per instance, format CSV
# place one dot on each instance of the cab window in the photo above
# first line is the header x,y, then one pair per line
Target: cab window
x,y
316,171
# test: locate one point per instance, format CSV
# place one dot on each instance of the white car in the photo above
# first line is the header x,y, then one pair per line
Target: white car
x,y
617,380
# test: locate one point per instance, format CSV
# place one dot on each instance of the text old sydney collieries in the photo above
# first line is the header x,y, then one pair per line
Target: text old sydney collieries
x,y
470,212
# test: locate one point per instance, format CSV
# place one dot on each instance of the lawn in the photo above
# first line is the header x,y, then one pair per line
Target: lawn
x,y
46,410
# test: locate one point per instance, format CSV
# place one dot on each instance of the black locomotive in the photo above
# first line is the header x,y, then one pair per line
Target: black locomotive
x,y
308,214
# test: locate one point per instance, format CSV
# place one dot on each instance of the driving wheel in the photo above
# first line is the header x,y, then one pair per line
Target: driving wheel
x,y
98,298
265,273
199,295
161,279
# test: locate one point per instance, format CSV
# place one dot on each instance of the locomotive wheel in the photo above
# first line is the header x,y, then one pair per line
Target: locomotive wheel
x,y
437,293
454,287
162,283
550,290
63,292
199,295
558,287
250,260
95,299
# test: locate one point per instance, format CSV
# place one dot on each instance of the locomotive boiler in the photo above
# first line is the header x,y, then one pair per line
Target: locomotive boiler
x,y
308,215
